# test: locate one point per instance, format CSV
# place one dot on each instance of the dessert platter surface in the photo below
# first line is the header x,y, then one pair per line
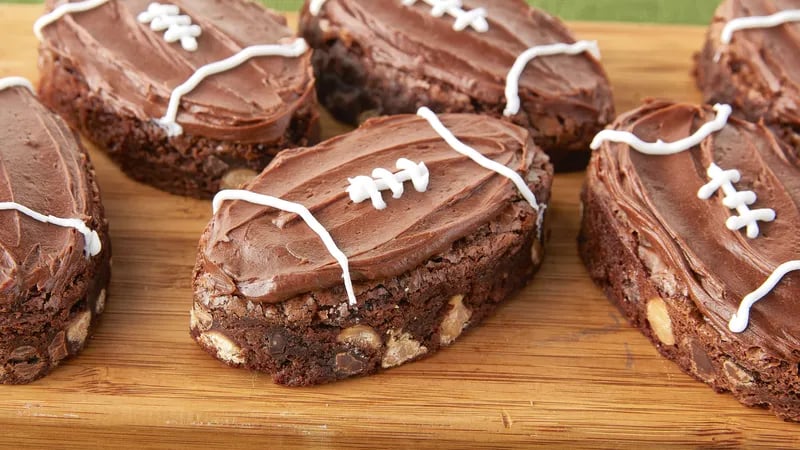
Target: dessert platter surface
x,y
556,363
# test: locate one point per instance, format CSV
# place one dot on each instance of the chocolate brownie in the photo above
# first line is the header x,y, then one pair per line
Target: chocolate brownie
x,y
412,257
54,247
187,96
375,57
748,62
696,242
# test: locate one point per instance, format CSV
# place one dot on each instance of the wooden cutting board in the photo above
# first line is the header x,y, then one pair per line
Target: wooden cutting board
x,y
555,364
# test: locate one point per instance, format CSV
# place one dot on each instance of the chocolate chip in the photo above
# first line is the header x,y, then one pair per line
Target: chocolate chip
x,y
277,344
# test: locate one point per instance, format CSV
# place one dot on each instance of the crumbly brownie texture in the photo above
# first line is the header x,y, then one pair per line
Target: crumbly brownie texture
x,y
411,300
226,136
402,58
753,72
49,303
665,258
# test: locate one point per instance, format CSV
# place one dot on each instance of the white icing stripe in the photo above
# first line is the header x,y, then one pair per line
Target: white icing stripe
x,y
512,80
746,23
476,156
92,244
362,187
305,214
540,222
168,122
663,148
476,18
8,82
179,27
741,319
315,7
740,201
62,10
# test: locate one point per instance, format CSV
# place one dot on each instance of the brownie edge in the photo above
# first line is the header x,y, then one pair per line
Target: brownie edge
x,y
674,325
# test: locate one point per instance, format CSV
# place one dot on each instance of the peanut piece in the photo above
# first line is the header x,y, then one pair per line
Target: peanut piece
x,y
400,349
455,320
237,177
226,349
360,336
659,320
79,328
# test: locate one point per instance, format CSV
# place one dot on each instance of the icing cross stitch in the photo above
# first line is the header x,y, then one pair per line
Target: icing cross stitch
x,y
363,187
738,200
179,27
720,179
474,18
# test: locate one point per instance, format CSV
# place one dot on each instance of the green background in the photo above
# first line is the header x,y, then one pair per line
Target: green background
x,y
660,11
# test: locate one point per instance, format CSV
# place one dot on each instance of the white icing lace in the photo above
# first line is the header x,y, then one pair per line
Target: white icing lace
x,y
169,121
663,148
363,187
476,156
179,27
738,200
8,82
746,23
305,214
512,80
475,18
62,10
741,318
315,7
92,244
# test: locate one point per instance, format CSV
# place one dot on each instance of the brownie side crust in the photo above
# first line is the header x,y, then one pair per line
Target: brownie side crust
x,y
316,338
621,262
354,88
184,165
41,329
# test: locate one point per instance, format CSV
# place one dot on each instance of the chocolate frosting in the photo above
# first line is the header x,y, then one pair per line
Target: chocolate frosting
x,y
763,60
658,197
411,39
43,168
135,69
270,256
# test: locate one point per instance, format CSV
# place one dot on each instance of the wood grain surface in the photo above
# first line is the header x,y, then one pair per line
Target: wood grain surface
x,y
556,365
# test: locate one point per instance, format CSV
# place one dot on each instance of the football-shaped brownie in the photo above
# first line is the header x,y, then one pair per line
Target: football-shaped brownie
x,y
186,96
54,248
371,249
748,62
691,224
501,58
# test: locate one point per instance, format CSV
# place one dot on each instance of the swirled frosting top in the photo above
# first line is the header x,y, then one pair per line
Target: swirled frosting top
x,y
270,256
